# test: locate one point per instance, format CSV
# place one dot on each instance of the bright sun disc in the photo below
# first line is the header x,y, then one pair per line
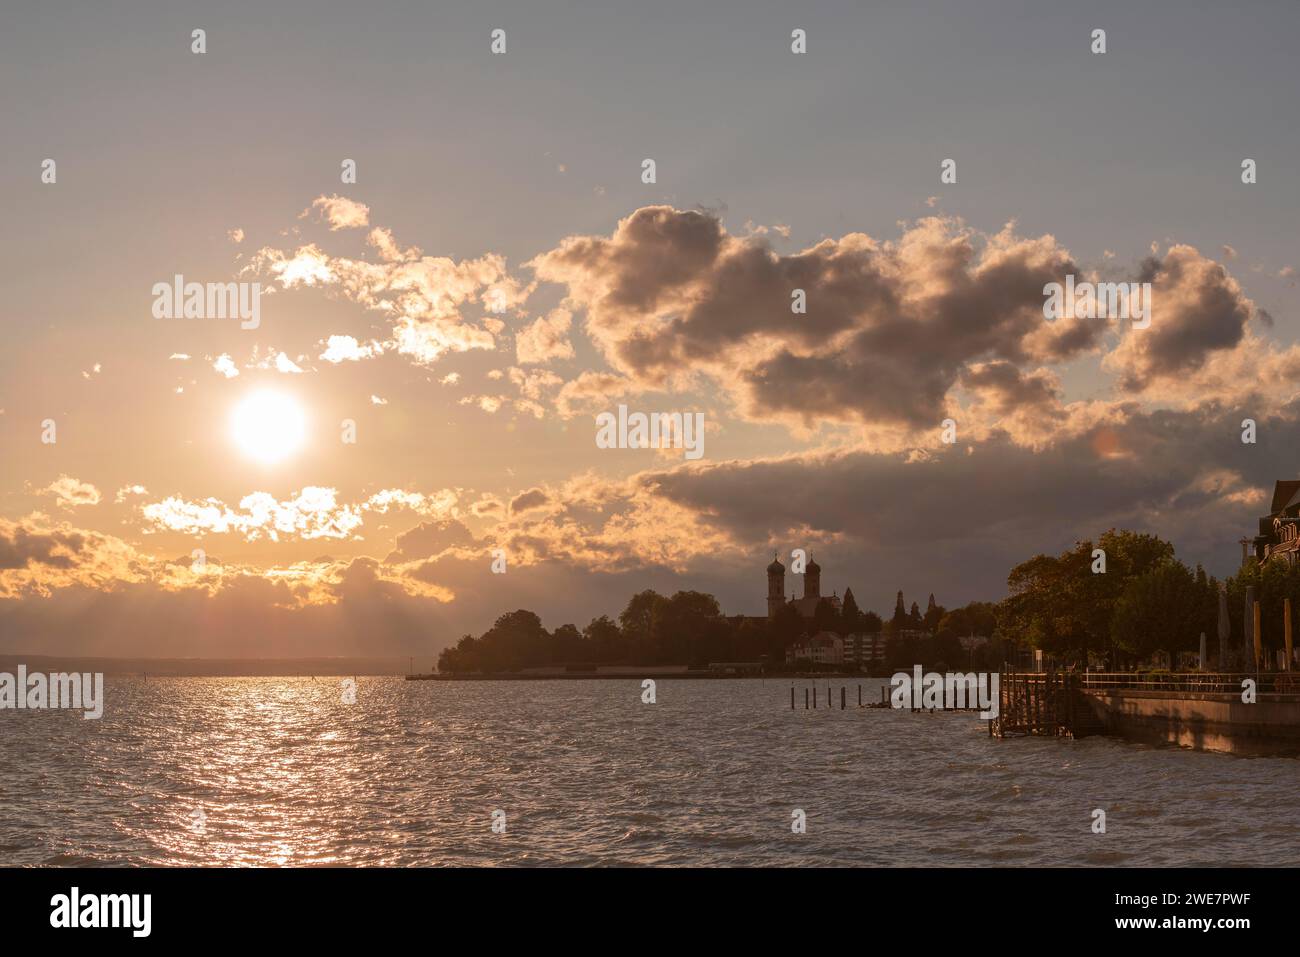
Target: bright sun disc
x,y
268,426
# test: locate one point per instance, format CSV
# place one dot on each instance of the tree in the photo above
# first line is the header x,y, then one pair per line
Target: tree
x,y
787,627
567,645
640,618
825,617
899,622
1160,609
1274,581
515,640
851,617
933,615
1063,606
686,628
603,641
460,658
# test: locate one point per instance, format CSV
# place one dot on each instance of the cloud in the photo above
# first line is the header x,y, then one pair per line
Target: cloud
x,y
347,349
423,298
284,364
430,539
71,493
340,212
1197,309
533,498
314,512
889,330
126,491
591,392
545,339
39,556
226,366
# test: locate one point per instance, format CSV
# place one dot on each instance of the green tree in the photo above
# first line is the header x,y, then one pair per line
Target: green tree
x,y
640,619
1160,609
1063,604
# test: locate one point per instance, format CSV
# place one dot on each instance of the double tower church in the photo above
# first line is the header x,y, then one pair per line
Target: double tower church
x,y
812,590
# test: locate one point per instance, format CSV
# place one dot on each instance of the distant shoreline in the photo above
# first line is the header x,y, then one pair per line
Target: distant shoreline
x,y
376,666
648,673
328,667
360,667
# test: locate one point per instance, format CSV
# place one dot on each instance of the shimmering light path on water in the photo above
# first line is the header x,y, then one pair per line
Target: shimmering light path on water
x,y
262,771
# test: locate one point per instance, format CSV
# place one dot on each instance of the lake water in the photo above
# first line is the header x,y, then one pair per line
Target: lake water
x,y
262,771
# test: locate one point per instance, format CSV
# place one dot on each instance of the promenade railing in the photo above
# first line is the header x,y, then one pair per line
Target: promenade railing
x,y
1216,682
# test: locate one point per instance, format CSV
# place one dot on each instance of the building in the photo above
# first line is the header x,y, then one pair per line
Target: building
x,y
823,648
1279,530
812,590
865,651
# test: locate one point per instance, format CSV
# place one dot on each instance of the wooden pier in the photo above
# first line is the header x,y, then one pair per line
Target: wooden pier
x,y
1044,703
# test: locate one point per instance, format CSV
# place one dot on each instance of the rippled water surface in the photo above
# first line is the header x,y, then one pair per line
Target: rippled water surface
x,y
265,771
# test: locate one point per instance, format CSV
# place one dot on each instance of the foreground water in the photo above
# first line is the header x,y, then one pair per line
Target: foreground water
x,y
272,771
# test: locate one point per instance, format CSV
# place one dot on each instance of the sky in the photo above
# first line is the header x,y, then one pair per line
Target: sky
x,y
500,273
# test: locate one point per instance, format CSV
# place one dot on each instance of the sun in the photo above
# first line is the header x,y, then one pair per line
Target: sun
x,y
268,426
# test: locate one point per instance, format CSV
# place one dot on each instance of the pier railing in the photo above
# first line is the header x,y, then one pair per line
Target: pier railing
x,y
1190,682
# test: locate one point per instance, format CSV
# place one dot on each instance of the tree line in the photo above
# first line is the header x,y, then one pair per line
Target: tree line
x,y
688,628
1144,601
1108,603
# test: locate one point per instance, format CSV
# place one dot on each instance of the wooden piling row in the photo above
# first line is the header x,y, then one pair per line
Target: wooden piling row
x,y
830,703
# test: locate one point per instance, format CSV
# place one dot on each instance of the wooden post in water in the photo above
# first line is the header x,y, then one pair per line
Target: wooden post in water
x,y
1286,623
841,697
814,696
805,699
791,697
1288,651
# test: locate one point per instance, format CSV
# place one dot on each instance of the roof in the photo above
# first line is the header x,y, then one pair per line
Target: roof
x,y
1284,494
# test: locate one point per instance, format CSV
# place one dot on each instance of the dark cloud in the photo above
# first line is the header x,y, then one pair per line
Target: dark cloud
x,y
532,498
22,545
430,538
889,327
1196,309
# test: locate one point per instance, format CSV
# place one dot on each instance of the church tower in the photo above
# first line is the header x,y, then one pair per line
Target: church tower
x,y
775,587
812,580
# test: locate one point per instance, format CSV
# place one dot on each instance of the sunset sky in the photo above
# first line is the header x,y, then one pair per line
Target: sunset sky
x,y
499,274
